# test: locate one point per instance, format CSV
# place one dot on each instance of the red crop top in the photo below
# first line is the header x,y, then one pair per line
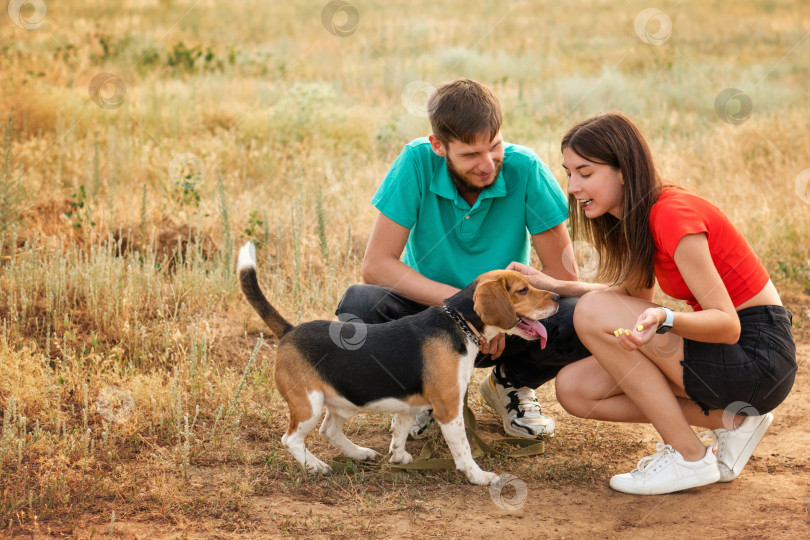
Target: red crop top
x,y
678,213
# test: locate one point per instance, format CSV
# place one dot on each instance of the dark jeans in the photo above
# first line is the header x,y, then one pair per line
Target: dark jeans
x,y
524,362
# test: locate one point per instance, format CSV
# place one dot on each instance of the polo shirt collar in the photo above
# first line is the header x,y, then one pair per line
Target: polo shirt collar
x,y
442,185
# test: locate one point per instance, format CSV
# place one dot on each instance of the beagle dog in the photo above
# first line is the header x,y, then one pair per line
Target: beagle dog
x,y
419,362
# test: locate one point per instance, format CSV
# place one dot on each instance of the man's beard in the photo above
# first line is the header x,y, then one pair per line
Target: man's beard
x,y
463,186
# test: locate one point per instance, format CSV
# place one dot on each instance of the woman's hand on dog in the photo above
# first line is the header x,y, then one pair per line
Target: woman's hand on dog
x,y
538,279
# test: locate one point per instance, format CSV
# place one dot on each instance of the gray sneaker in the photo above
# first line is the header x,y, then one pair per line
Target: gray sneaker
x,y
518,407
421,424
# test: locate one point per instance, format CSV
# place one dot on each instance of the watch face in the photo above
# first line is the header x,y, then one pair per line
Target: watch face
x,y
663,329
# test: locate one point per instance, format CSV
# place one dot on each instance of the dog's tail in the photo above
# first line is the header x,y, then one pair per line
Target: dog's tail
x,y
250,288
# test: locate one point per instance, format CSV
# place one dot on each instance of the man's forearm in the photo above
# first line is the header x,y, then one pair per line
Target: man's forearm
x,y
402,279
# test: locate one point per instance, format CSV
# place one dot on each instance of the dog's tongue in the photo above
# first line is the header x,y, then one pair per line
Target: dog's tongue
x,y
540,329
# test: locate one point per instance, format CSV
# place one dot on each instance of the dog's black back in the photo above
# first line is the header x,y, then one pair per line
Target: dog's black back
x,y
349,354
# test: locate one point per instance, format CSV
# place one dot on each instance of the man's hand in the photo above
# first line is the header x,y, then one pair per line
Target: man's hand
x,y
495,346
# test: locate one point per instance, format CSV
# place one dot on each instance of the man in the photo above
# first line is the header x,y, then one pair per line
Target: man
x,y
459,203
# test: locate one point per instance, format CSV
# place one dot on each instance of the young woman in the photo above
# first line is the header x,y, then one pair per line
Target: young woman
x,y
723,366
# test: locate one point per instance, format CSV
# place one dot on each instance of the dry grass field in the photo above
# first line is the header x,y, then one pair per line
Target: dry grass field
x,y
143,141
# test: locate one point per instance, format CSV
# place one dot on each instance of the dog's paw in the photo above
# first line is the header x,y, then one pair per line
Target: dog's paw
x,y
364,454
482,478
316,466
400,457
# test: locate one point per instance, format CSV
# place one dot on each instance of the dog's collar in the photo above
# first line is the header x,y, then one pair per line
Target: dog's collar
x,y
468,329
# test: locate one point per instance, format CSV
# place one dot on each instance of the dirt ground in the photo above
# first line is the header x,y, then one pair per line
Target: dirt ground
x,y
562,494
771,499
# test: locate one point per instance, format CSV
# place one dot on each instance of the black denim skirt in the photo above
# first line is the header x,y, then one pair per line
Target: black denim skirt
x,y
755,374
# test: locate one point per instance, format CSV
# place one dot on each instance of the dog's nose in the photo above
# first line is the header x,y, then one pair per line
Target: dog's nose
x,y
555,297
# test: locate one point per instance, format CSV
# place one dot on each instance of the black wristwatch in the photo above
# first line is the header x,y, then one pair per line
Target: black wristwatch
x,y
666,326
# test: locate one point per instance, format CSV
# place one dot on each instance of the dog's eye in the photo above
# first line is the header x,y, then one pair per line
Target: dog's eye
x,y
524,291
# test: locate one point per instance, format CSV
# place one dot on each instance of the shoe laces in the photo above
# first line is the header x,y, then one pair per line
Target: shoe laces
x,y
716,439
661,451
527,402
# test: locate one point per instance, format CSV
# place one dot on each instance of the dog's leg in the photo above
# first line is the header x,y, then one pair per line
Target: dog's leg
x,y
452,424
303,419
396,452
332,431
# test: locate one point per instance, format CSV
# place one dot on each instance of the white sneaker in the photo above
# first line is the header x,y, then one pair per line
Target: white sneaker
x,y
423,421
734,447
666,471
518,407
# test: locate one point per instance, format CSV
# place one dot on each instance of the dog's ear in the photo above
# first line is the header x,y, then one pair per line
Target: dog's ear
x,y
493,304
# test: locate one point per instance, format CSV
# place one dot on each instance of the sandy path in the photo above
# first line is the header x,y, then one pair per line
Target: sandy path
x,y
771,499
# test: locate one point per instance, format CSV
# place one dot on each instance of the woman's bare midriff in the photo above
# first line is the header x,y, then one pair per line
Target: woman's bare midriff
x,y
768,296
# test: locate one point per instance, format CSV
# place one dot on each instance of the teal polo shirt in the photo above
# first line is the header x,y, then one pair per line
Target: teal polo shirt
x,y
453,243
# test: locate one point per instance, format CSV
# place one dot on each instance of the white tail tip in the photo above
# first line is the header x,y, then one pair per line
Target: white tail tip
x,y
247,257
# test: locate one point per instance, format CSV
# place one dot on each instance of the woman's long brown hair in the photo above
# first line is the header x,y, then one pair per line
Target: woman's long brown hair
x,y
625,246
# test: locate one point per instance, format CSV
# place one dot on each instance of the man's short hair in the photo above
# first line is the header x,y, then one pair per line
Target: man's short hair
x,y
463,110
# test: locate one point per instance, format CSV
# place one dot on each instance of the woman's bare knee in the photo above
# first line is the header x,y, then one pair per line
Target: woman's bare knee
x,y
582,384
589,312
569,390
